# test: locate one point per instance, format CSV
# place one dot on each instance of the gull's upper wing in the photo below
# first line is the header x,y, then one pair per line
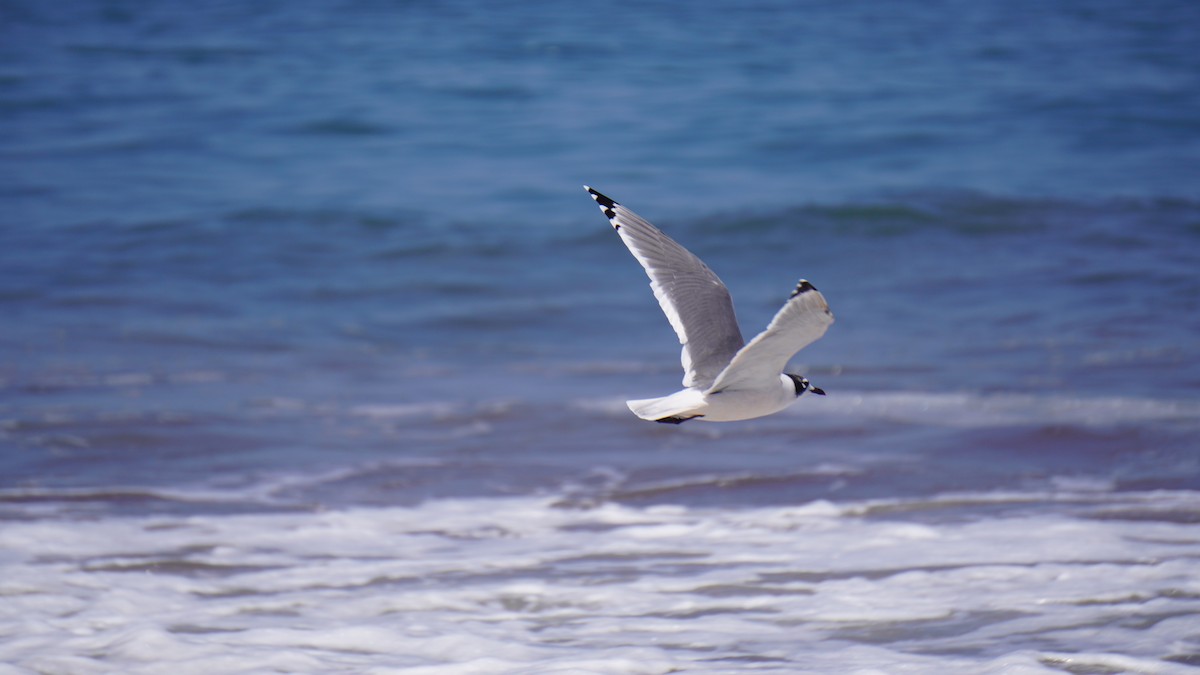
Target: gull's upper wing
x,y
695,301
803,319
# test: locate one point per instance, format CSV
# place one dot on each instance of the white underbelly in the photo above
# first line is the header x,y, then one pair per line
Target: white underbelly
x,y
731,406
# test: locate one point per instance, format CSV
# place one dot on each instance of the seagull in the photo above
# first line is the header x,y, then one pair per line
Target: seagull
x,y
725,378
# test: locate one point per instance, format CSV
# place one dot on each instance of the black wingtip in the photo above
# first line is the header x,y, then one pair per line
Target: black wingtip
x,y
600,199
608,206
802,287
676,419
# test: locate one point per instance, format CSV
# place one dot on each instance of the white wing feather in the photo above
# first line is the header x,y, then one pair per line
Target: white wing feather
x,y
802,320
695,301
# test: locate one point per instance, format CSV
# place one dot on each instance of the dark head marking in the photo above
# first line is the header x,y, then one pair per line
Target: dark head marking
x,y
802,385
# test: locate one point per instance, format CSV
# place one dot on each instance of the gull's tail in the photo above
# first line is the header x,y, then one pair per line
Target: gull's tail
x,y
680,406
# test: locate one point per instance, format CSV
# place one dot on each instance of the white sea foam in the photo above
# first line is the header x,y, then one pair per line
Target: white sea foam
x,y
524,585
403,411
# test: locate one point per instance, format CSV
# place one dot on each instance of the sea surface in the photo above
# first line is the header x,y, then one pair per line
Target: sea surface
x,y
313,351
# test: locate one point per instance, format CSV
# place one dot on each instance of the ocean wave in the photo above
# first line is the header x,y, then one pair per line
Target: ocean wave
x,y
975,410
524,585
1115,221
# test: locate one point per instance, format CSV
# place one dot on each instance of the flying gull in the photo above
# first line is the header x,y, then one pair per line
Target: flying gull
x,y
725,378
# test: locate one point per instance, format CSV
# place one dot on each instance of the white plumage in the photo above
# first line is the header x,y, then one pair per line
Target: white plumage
x,y
725,379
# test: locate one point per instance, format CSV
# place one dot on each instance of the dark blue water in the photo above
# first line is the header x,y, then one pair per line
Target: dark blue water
x,y
206,209
302,255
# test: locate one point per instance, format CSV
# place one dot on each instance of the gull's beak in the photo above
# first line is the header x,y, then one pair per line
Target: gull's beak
x,y
817,390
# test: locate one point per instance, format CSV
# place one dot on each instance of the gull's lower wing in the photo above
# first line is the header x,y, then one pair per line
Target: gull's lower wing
x,y
803,319
695,301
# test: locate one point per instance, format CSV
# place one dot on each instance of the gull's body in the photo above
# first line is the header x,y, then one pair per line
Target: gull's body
x,y
725,379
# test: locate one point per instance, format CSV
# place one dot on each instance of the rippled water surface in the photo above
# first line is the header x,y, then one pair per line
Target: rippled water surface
x,y
314,352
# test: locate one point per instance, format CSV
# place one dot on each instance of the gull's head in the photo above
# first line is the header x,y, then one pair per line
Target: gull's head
x,y
802,385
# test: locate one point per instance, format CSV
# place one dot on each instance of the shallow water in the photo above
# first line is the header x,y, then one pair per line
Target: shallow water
x,y
314,351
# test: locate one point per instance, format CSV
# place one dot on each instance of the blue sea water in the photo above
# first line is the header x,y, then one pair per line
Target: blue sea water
x,y
314,351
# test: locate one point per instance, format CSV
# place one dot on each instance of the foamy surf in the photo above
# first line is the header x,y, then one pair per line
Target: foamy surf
x,y
534,585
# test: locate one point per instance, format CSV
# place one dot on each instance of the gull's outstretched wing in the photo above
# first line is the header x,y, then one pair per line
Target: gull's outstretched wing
x,y
695,301
803,319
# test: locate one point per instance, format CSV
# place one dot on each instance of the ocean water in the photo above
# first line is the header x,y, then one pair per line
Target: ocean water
x,y
314,351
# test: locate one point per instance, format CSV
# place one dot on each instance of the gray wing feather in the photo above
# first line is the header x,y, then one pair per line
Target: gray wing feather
x,y
695,301
803,319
